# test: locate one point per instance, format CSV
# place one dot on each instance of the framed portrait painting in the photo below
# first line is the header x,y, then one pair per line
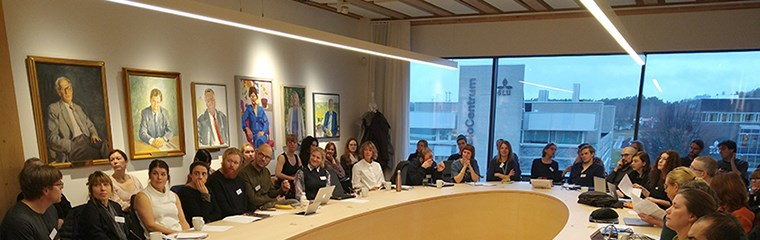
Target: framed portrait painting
x,y
211,126
256,107
294,103
70,107
154,112
326,115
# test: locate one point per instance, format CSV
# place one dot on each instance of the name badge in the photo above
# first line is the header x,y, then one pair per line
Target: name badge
x,y
239,191
583,175
53,234
551,169
257,188
322,178
501,165
119,219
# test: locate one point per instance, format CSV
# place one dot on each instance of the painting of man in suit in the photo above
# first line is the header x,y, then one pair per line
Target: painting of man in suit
x,y
211,122
70,106
71,135
326,115
154,124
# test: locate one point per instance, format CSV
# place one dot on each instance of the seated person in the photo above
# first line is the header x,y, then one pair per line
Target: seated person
x,y
259,189
421,144
639,173
583,172
505,166
466,169
733,198
545,167
159,209
101,218
461,142
195,197
288,164
623,166
676,180
366,172
423,167
226,189
688,206
34,217
717,226
655,191
124,185
704,167
62,207
202,155
333,164
312,177
578,159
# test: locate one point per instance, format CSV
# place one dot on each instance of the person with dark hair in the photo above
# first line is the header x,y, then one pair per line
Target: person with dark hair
x,y
695,148
640,167
331,162
424,167
729,162
159,209
704,167
545,167
655,191
716,226
101,218
421,144
638,146
226,189
196,197
688,206
623,166
154,122
733,198
305,152
123,185
583,172
505,166
348,159
466,169
34,217
62,208
202,155
259,189
754,194
461,142
288,164
679,179
254,120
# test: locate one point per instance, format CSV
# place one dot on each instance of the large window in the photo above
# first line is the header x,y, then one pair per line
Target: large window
x,y
569,100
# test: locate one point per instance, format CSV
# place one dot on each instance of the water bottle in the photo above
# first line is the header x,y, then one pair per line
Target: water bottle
x,y
304,201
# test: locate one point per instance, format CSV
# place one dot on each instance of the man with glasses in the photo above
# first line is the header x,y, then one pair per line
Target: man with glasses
x,y
34,217
623,166
704,167
257,178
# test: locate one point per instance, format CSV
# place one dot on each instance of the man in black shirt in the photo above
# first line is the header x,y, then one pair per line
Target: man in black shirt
x,y
421,144
227,191
461,142
623,166
422,168
34,217
729,162
694,150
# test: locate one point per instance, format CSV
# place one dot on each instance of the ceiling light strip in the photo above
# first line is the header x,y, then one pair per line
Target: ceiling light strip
x,y
614,32
347,43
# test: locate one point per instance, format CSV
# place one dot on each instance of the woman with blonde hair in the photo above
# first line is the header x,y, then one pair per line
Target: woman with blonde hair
x,y
367,173
673,183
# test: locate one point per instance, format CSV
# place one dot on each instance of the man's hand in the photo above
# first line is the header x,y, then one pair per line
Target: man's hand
x,y
618,166
158,142
427,163
441,167
95,139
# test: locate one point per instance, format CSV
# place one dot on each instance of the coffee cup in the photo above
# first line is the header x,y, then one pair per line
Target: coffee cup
x,y
439,183
364,192
387,185
198,223
156,236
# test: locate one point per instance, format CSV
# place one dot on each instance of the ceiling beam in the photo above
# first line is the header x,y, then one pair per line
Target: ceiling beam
x,y
331,9
377,9
480,6
427,7
535,5
651,2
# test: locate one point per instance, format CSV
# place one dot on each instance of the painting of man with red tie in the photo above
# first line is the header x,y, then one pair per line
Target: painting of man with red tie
x,y
211,121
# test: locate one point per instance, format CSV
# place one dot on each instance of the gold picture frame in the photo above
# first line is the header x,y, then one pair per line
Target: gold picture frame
x,y
154,105
211,131
70,106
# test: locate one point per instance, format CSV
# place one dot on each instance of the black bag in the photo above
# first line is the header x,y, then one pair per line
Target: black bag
x,y
598,199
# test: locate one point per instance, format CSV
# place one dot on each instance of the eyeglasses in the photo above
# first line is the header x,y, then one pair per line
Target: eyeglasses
x,y
59,185
265,156
625,154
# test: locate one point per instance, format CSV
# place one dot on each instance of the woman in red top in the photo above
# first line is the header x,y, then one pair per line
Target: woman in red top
x,y
733,198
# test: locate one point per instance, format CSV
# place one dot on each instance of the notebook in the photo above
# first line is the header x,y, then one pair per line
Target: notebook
x,y
541,183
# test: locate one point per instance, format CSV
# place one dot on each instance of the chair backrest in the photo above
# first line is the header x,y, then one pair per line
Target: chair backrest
x,y
400,166
70,228
134,228
446,174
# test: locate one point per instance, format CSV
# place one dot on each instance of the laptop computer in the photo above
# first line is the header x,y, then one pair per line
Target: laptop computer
x,y
338,193
323,195
541,183
613,190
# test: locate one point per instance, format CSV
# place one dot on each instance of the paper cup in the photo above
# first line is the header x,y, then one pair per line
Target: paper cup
x,y
198,223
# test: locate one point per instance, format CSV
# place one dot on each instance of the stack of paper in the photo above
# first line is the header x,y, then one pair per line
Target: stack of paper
x,y
241,219
640,205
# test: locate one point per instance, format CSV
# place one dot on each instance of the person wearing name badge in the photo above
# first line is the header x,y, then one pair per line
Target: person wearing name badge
x,y
159,209
226,189
366,172
505,166
313,176
34,217
583,172
546,167
466,169
260,191
101,218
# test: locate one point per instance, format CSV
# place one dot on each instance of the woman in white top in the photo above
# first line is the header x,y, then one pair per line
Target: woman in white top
x,y
367,173
158,208
124,185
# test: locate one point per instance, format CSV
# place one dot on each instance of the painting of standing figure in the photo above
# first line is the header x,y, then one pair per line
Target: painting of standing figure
x,y
256,110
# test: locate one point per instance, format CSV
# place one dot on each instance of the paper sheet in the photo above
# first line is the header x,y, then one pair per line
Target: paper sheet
x,y
626,186
192,235
271,213
241,219
647,207
208,228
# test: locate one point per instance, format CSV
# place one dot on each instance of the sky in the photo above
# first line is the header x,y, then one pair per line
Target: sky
x,y
680,76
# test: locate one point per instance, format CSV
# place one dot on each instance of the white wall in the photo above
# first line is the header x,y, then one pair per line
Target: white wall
x,y
124,36
692,31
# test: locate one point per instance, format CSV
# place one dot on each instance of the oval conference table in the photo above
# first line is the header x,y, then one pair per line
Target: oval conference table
x,y
500,211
